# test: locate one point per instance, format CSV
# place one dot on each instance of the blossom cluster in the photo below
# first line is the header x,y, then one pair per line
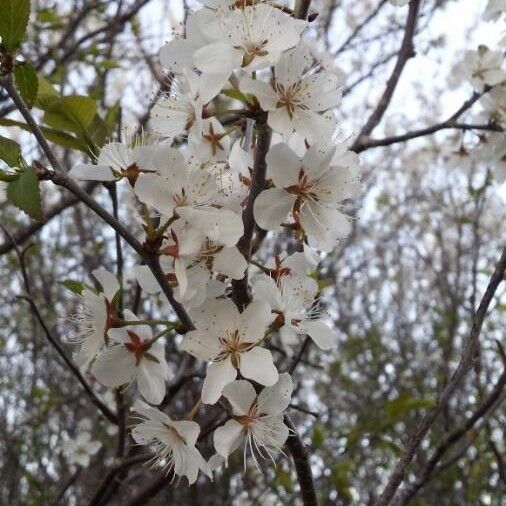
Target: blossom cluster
x,y
193,181
484,69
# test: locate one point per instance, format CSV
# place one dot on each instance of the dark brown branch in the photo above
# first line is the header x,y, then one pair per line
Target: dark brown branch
x,y
240,292
406,52
417,435
451,123
301,9
121,465
301,461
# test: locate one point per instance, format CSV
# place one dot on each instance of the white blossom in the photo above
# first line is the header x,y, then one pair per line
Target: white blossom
x,y
483,67
309,190
132,355
118,160
81,449
292,300
188,193
296,95
250,38
180,108
97,313
231,341
173,442
257,421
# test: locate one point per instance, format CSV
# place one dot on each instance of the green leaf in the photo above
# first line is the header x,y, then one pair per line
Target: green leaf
x,y
27,83
10,152
46,93
14,16
50,18
24,193
325,283
56,136
283,479
235,93
318,437
74,113
76,287
7,177
109,64
403,403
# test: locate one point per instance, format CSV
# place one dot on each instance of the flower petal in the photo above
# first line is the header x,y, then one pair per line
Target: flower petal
x,y
201,344
218,375
320,333
258,365
230,262
108,281
283,165
227,438
274,400
241,395
114,367
272,208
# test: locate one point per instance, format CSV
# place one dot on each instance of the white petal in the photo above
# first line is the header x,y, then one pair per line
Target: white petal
x,y
254,320
219,225
218,58
201,344
265,288
241,395
274,400
216,316
146,279
227,438
323,90
283,165
189,430
262,91
272,208
109,282
324,226
280,121
152,190
218,375
230,262
151,381
182,278
321,333
258,365
177,55
114,367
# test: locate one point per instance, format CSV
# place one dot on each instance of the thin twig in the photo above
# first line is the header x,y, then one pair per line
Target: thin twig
x,y
417,435
406,52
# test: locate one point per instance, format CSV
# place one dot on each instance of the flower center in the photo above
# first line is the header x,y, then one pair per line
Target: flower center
x,y
232,347
136,346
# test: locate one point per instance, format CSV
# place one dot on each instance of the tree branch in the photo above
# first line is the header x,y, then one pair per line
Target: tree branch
x,y
450,123
300,458
60,178
240,292
405,53
489,404
417,435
